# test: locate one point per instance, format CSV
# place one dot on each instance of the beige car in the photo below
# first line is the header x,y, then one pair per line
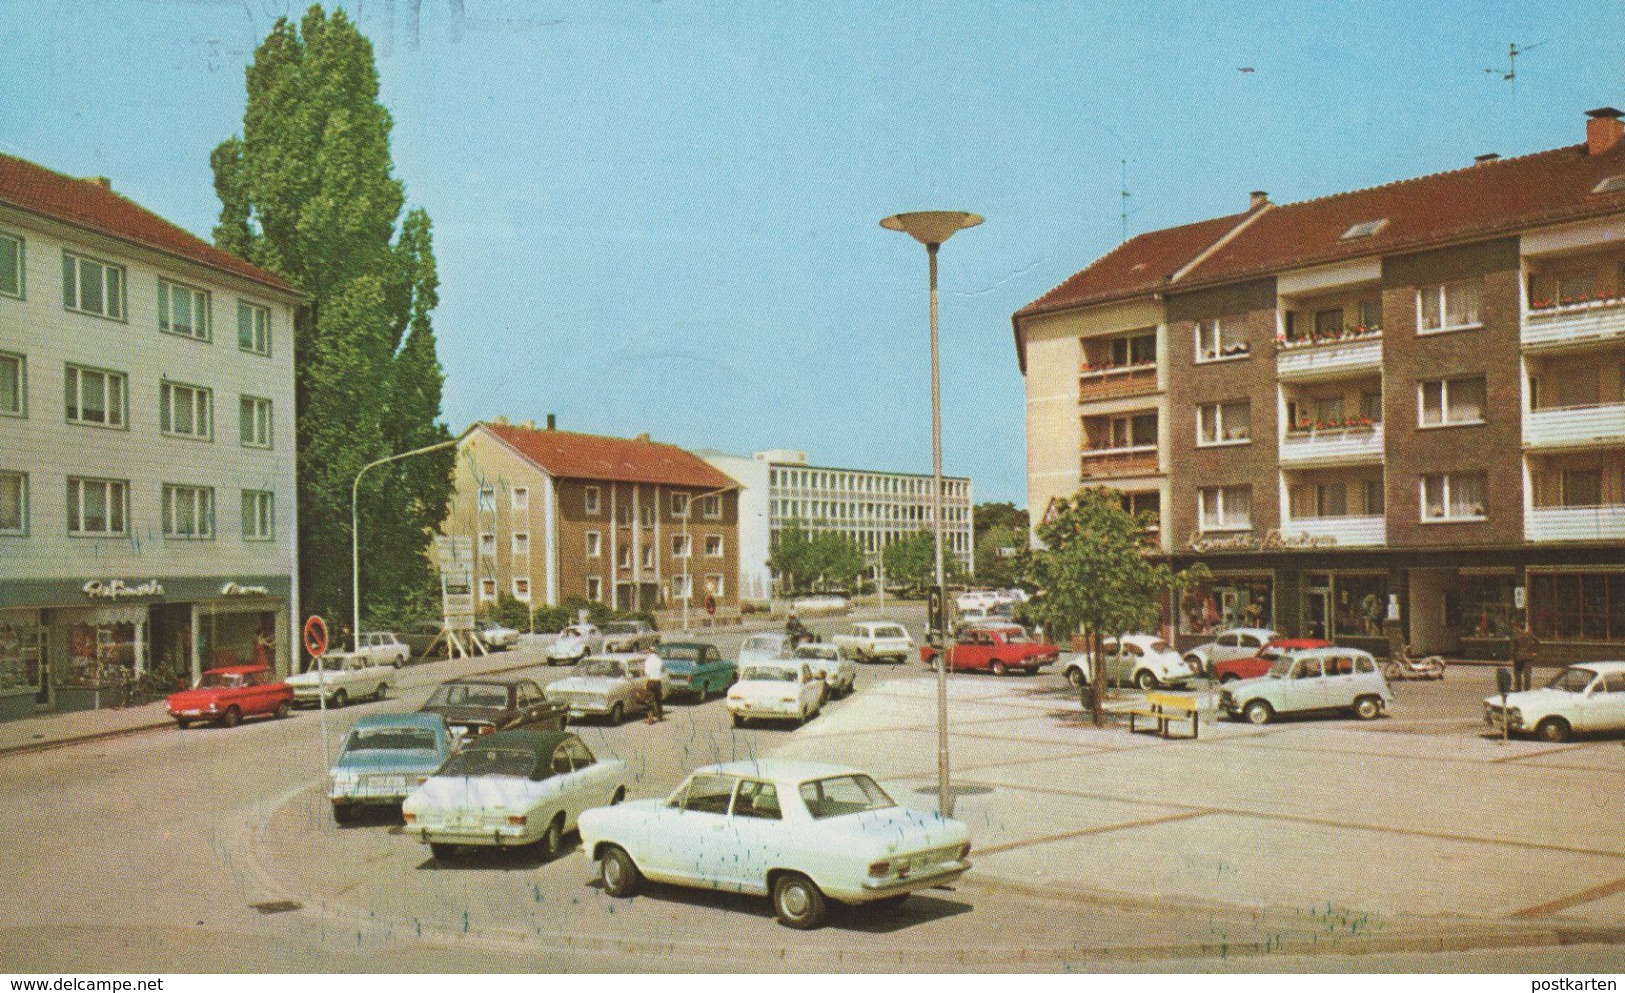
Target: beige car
x,y
610,686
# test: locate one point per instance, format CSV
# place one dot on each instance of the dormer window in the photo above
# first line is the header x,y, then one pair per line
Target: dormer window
x,y
1365,229
1613,184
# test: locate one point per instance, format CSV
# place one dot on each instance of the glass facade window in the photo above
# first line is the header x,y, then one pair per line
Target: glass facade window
x,y
1454,496
1225,602
1481,606
1221,338
1226,508
1359,606
1578,606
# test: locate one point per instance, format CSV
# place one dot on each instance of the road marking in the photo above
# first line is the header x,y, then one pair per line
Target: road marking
x,y
1561,904
1085,832
1545,751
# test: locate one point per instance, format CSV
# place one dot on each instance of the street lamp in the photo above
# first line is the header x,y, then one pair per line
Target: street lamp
x,y
688,580
355,529
931,228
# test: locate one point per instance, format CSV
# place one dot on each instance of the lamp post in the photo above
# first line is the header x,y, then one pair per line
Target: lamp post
x,y
931,228
355,529
688,580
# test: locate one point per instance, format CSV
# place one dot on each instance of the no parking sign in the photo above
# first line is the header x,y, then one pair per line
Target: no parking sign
x,y
316,636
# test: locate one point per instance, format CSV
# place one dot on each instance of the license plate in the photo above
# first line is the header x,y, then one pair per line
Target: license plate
x,y
387,782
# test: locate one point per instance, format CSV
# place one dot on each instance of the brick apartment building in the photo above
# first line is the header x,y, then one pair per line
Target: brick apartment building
x,y
633,523
1411,394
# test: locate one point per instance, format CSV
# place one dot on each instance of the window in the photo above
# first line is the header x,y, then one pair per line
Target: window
x,y
253,328
595,589
1578,607
1226,508
679,505
623,557
521,544
646,513
1320,500
521,498
1453,496
97,506
1131,431
255,422
488,499
590,500
757,799
1446,402
1223,423
188,511
1364,229
680,546
259,515
13,502
95,396
11,266
623,513
183,310
1574,287
1375,498
1371,406
1448,307
185,410
488,588
92,287
488,545
13,382
648,556
681,586
713,546
713,583
1221,338
1329,322
1580,487
711,507
521,589
595,544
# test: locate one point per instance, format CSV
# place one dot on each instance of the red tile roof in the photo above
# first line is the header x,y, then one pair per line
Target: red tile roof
x,y
623,460
87,204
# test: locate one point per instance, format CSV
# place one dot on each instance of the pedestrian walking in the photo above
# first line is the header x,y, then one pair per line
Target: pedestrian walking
x,y
1524,651
652,669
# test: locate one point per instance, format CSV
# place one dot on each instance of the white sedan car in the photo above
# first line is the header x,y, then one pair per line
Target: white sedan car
x,y
837,671
1231,643
764,647
1586,697
575,643
510,789
785,690
803,833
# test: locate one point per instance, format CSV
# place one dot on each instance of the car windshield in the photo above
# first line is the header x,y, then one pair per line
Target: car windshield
x,y
477,761
468,695
678,653
771,673
219,680
332,663
888,631
602,667
838,796
364,739
762,645
1572,680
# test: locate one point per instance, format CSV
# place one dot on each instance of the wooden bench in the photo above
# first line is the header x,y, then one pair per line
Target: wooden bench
x,y
1165,709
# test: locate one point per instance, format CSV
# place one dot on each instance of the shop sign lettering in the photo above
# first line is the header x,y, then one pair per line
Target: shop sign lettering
x,y
117,589
234,589
1272,540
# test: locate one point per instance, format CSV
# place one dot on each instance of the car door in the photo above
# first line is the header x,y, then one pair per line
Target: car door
x,y
1228,646
754,840
1338,686
1303,690
812,690
689,839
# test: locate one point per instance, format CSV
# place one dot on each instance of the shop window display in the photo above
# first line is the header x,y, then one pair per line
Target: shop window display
x,y
20,656
100,656
1481,606
1227,603
1578,607
1361,606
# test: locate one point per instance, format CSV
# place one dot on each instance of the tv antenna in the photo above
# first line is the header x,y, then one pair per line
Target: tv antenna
x,y
1123,196
1513,51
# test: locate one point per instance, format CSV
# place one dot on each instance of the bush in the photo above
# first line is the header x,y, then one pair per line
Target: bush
x,y
510,612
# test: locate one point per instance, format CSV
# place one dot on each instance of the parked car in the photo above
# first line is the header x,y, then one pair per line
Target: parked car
x,y
870,640
1230,670
822,605
574,643
629,636
1145,661
1588,697
510,789
764,647
782,690
1230,643
611,686
826,661
803,833
383,647
383,758
496,636
479,706
1315,679
231,693
975,600
425,640
995,649
695,668
342,677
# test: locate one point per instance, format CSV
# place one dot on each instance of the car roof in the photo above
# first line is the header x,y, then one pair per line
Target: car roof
x,y
1299,643
412,719
540,743
236,670
1264,633
616,657
784,770
487,681
1609,667
684,644
1331,650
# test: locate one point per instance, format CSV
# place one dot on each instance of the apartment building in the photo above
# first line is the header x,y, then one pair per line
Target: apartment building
x,y
779,487
1408,399
632,523
146,449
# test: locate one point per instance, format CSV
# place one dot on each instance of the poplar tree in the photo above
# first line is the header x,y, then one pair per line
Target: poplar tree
x,y
306,192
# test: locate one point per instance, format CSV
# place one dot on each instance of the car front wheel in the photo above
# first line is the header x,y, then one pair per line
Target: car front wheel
x,y
1553,729
797,902
1074,678
552,844
340,699
1146,680
1367,708
233,717
618,872
616,713
1259,712
343,813
281,710
998,668
441,851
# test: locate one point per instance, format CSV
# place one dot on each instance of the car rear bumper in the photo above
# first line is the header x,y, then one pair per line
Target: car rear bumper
x,y
502,837
879,889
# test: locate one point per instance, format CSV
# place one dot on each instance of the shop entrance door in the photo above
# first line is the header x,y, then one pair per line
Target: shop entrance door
x,y
1317,621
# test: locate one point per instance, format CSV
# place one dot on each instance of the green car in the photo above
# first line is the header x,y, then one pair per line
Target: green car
x,y
696,668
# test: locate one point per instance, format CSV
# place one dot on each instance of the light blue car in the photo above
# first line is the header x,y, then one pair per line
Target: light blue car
x,y
384,758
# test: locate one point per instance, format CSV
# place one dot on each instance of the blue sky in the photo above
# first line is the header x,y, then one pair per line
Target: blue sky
x,y
663,216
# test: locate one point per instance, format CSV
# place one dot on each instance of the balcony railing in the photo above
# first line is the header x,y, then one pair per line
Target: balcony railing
x,y
1110,381
1359,444
1349,531
1136,460
1575,427
1574,324
1605,522
1328,357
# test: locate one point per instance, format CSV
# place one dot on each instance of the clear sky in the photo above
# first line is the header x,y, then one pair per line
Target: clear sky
x,y
663,216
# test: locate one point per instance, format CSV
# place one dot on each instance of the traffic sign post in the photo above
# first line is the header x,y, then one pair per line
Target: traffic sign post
x,y
316,645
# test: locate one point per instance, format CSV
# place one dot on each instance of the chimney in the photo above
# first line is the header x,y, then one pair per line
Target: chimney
x,y
1257,199
552,424
528,425
1486,158
1603,129
501,419
644,437
102,181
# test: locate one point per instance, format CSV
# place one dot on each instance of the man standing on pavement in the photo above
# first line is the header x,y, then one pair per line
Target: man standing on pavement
x,y
652,669
1525,649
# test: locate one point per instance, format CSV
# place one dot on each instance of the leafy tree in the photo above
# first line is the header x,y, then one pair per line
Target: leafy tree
x,y
986,516
995,566
911,562
1094,576
306,192
806,560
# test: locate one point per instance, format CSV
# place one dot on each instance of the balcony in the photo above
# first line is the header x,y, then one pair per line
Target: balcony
x,y
1112,463
1574,325
1575,427
1359,444
1353,532
1108,382
1605,522
1328,358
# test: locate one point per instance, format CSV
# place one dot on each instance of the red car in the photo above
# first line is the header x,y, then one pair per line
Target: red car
x,y
231,693
1231,670
996,650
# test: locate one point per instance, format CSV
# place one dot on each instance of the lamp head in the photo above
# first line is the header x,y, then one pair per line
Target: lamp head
x,y
931,227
